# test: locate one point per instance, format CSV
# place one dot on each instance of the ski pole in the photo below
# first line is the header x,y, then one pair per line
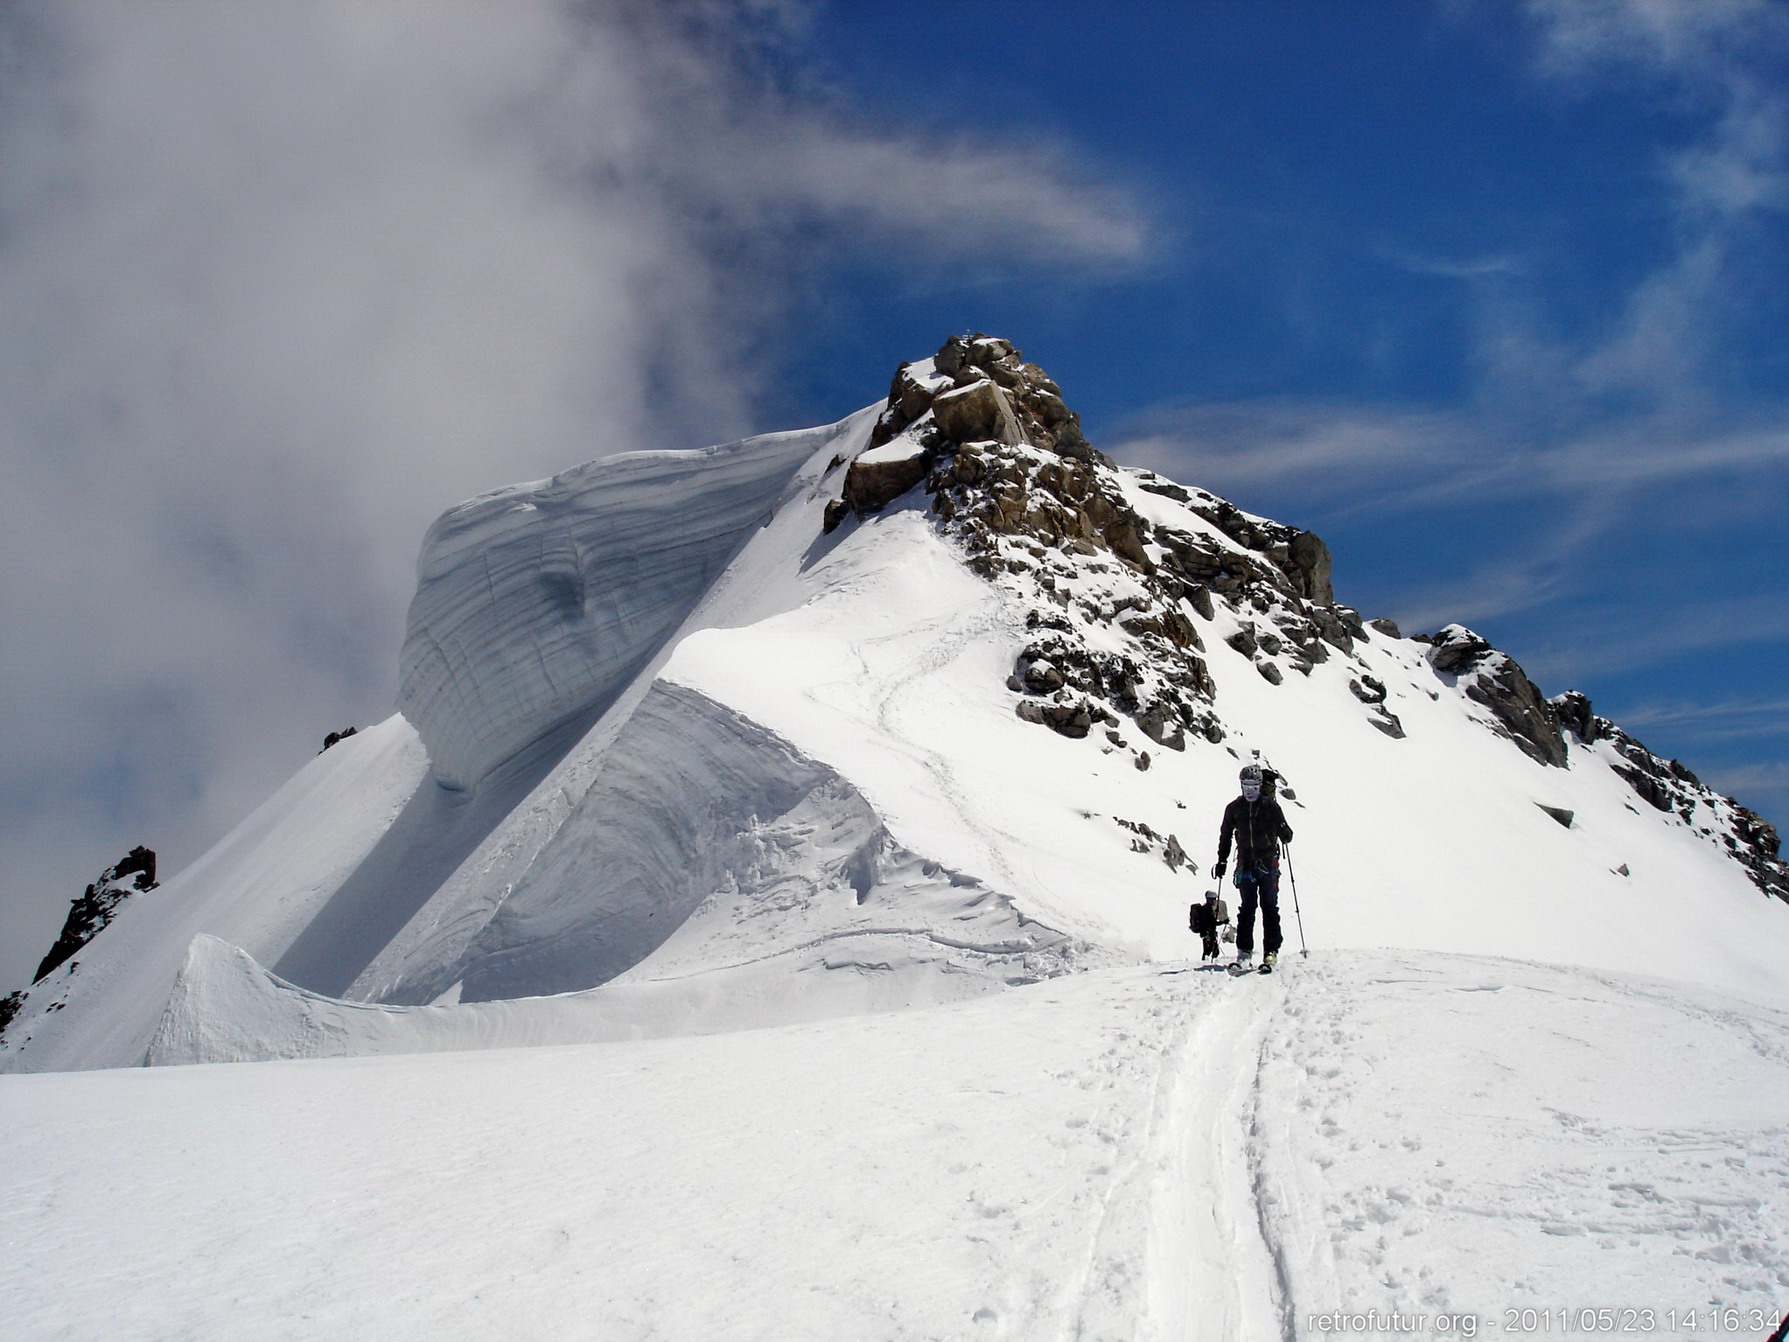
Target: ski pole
x,y
1304,951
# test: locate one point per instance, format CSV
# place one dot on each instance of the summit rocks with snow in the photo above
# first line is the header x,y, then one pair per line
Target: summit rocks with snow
x,y
851,785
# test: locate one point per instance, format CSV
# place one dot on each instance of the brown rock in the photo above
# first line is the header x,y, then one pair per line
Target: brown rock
x,y
873,483
1312,563
977,412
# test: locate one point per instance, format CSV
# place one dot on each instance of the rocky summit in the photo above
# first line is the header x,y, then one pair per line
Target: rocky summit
x,y
1115,597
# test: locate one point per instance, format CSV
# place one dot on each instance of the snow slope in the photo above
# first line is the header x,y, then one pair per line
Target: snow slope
x,y
258,889
1117,1154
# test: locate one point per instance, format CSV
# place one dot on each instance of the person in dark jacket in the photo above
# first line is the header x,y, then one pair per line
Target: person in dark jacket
x,y
1258,827
1208,920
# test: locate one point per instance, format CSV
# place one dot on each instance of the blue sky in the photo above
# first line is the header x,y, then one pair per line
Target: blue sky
x,y
1490,294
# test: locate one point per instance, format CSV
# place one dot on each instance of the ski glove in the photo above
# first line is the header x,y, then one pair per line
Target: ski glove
x,y
1217,872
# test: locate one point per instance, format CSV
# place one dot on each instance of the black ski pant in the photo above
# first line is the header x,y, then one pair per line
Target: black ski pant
x,y
1259,885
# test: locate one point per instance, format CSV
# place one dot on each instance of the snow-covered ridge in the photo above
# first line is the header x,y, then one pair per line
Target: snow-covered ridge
x,y
1119,569
922,705
828,885
706,841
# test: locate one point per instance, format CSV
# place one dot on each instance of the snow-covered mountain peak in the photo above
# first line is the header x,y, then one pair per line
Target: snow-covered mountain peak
x,y
910,708
1116,580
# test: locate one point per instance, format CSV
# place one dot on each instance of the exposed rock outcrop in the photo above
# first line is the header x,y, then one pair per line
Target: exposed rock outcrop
x,y
1166,846
335,738
1114,589
1371,692
880,476
1060,530
1573,711
1492,678
975,412
1012,476
98,905
1667,785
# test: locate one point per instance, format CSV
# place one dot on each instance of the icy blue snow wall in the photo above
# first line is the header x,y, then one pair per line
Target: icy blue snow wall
x,y
540,603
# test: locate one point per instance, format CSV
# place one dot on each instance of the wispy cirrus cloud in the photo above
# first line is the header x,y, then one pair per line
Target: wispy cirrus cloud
x,y
1730,719
1599,432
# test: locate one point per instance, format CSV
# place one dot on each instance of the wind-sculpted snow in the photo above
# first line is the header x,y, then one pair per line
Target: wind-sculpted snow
x,y
701,811
227,1008
699,814
711,877
535,605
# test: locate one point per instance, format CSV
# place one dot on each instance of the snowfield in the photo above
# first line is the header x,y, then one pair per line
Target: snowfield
x,y
1130,1153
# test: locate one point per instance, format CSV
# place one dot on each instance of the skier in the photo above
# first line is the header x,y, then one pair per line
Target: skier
x,y
1206,919
1259,828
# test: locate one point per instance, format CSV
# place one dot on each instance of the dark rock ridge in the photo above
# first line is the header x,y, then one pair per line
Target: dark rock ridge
x,y
335,737
1668,786
1539,726
1036,507
1114,599
1166,846
981,389
1039,509
98,905
1520,712
1371,692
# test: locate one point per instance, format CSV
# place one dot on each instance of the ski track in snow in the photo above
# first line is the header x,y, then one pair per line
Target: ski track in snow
x,y
1209,1273
1121,1154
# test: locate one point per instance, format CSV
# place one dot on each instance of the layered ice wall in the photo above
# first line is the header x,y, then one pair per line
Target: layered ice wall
x,y
537,604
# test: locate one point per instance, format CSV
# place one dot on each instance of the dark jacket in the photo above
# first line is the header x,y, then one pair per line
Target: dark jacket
x,y
1259,828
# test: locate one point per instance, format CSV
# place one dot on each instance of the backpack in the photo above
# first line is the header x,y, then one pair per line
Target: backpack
x,y
1205,918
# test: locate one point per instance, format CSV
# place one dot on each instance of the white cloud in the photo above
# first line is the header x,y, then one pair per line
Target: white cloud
x,y
279,282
